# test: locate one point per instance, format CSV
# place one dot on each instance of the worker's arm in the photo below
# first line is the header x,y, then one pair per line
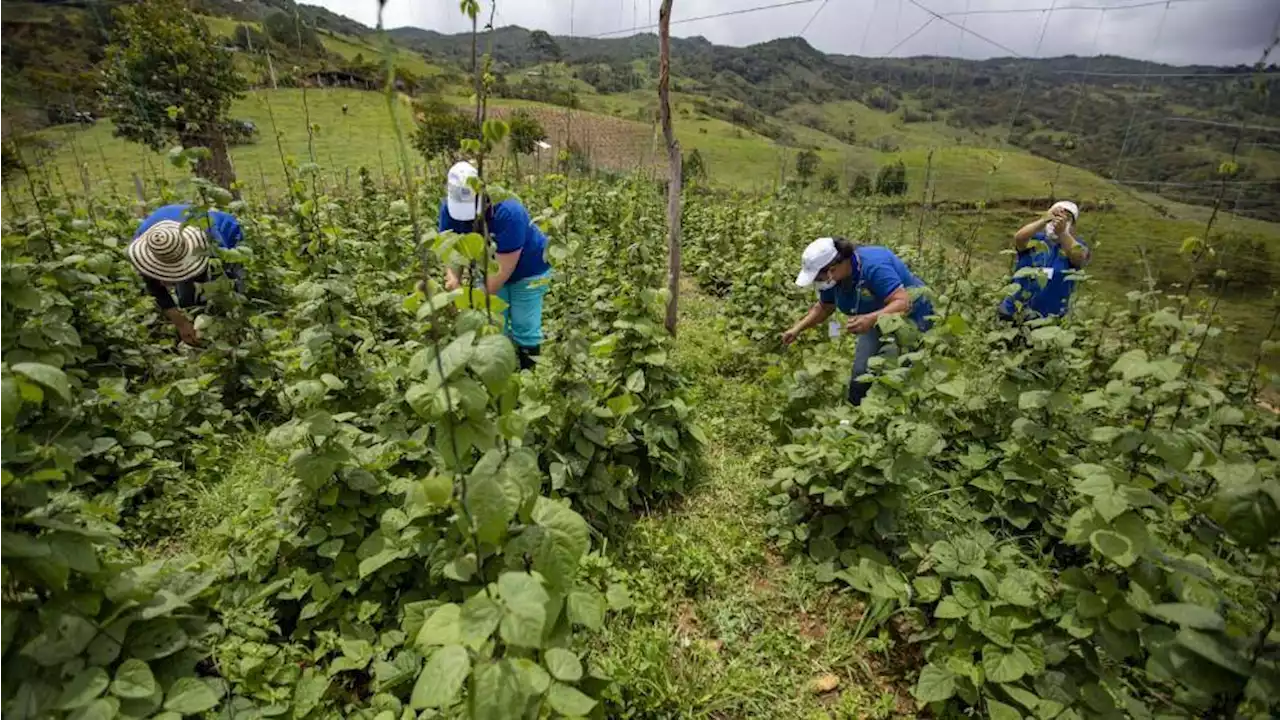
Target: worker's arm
x,y
817,314
1028,231
898,302
506,265
1075,250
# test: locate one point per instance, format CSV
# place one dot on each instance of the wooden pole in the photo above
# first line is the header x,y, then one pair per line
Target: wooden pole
x,y
674,162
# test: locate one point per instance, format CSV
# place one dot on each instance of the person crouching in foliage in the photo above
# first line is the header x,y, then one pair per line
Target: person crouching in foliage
x,y
523,272
865,283
171,250
1057,253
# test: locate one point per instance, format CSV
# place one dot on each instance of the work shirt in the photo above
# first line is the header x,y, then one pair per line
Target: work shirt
x,y
1053,298
511,229
222,227
877,273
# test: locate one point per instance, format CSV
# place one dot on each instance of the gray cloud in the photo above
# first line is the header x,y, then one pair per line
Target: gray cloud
x,y
1220,32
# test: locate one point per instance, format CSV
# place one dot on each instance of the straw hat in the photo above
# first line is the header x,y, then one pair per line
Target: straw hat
x,y
170,252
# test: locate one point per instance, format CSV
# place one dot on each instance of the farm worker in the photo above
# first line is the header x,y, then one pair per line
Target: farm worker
x,y
171,250
865,282
1063,252
523,273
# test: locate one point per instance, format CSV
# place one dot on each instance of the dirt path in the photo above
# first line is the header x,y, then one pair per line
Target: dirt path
x,y
722,626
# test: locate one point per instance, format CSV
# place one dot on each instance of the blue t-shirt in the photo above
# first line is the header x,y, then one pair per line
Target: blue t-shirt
x,y
876,275
511,229
1052,299
222,226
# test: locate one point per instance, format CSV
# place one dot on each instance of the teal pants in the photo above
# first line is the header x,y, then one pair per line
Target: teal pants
x,y
522,318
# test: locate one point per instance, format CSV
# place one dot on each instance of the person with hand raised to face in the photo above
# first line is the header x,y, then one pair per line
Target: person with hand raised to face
x,y
1057,253
523,272
864,282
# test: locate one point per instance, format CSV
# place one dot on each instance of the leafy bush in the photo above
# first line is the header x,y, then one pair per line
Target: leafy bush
x,y
892,179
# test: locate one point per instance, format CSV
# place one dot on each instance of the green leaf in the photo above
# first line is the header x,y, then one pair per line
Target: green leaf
x,y
441,680
156,638
532,676
1019,587
84,688
950,608
586,608
1214,649
10,401
635,381
997,710
189,696
1188,615
566,540
1005,665
563,665
567,700
47,375
480,617
494,361
442,627
928,588
1114,547
492,499
100,709
525,601
134,680
935,684
1248,511
497,692
21,545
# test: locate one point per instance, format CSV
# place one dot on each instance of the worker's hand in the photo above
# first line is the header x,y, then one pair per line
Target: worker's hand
x,y
186,330
859,324
789,337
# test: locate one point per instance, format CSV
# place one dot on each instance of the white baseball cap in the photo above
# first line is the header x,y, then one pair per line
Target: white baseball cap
x,y
819,254
461,199
1069,207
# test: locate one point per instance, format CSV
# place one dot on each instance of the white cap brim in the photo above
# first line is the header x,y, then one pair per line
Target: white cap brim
x,y
461,210
806,278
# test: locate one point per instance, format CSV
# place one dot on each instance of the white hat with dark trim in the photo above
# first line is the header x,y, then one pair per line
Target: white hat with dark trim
x,y
819,254
1069,207
461,199
170,252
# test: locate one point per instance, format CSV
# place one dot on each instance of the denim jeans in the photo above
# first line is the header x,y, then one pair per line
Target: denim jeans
x,y
868,347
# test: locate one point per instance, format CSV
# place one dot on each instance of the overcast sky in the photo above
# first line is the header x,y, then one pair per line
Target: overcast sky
x,y
1183,31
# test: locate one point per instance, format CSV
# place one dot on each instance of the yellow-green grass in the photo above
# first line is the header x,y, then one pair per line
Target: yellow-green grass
x,y
362,137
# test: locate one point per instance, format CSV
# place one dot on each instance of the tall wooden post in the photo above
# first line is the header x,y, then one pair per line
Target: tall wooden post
x,y
674,162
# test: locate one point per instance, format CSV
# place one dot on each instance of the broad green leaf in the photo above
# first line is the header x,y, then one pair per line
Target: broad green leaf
x,y
84,688
1019,587
1188,615
441,680
442,627
586,608
567,539
10,401
1005,665
1215,649
190,696
928,588
563,665
635,381
100,709
1248,511
997,710
156,638
133,680
497,692
949,608
47,375
567,700
535,680
494,360
492,499
65,637
525,615
935,684
1114,547
480,617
